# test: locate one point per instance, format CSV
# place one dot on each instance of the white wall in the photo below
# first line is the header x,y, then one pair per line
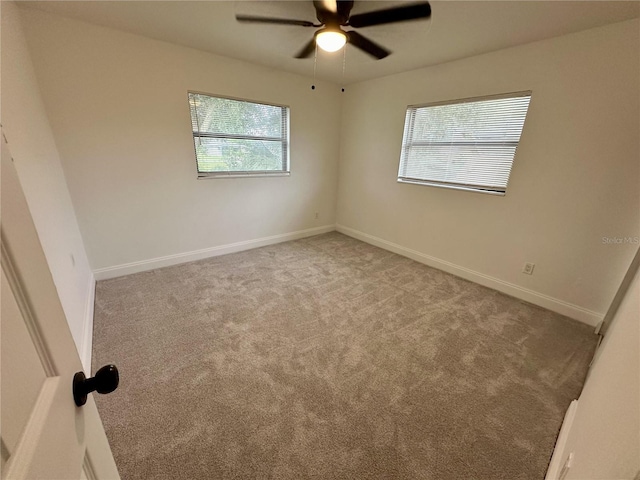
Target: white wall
x,y
604,436
118,107
32,145
574,181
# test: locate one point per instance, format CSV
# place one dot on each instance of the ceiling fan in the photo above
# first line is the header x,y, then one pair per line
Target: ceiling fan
x,y
334,14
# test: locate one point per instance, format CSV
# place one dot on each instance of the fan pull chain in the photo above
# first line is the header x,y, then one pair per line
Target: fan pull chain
x,y
315,61
344,64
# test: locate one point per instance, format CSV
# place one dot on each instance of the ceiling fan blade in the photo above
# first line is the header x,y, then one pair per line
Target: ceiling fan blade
x,y
279,21
308,49
391,15
367,45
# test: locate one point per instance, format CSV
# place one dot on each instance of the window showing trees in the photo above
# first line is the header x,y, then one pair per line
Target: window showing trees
x,y
466,144
237,137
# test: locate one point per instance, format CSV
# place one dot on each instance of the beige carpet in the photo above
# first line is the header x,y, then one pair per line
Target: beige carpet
x,y
328,358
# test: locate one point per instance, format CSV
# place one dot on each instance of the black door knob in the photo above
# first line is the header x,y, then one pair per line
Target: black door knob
x,y
105,381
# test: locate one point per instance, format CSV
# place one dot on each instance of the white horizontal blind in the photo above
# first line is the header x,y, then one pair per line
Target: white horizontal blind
x,y
467,144
237,137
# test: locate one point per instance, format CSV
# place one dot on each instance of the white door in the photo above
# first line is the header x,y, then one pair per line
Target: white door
x,y
44,435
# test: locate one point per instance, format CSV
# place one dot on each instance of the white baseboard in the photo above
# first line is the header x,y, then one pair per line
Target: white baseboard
x,y
153,263
87,332
557,459
556,305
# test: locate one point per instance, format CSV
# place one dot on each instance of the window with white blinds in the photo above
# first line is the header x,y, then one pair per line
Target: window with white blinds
x,y
466,144
239,138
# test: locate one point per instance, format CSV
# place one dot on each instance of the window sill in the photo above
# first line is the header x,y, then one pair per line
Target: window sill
x,y
452,187
206,176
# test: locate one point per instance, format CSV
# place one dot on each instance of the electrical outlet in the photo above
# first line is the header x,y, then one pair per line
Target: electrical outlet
x,y
528,268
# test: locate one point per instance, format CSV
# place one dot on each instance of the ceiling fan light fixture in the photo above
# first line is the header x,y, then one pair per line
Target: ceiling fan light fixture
x,y
331,40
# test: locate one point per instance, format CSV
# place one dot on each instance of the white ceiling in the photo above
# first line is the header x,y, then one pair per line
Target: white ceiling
x,y
457,29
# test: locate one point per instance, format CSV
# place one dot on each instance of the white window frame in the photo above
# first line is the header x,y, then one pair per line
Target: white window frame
x,y
408,142
284,140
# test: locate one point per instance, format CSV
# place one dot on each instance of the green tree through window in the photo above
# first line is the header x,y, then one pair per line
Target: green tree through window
x,y
468,144
239,137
